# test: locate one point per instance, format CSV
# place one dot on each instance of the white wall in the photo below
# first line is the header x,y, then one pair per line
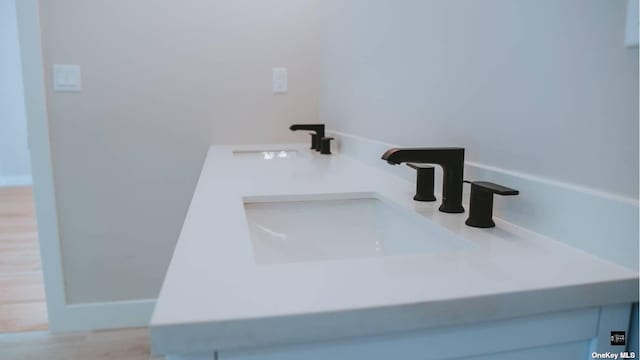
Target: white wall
x,y
162,80
14,153
544,87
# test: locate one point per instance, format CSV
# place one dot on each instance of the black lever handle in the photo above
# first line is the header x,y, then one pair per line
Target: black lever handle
x,y
481,202
325,145
424,182
492,188
319,133
314,141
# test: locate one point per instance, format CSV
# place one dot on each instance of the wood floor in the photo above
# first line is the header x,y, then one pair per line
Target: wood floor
x,y
22,301
23,313
129,344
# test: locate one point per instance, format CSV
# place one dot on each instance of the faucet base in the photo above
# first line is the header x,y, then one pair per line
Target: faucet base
x,y
451,209
480,224
424,198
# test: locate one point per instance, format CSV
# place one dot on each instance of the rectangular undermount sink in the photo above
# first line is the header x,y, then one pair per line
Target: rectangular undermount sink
x,y
273,154
288,231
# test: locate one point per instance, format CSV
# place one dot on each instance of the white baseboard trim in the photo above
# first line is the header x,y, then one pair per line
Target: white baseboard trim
x,y
24,180
598,222
105,315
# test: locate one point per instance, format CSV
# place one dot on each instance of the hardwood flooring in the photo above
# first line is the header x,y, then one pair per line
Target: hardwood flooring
x,y
125,344
23,312
22,300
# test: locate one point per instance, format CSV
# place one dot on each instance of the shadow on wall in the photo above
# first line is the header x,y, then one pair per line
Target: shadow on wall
x,y
14,153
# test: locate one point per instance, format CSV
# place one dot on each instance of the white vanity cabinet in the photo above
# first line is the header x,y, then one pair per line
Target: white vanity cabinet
x,y
573,334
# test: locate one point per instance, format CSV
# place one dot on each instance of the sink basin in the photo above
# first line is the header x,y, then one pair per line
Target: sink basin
x,y
273,155
313,230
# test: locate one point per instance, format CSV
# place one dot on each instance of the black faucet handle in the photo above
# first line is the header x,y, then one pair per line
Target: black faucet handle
x,y
424,182
492,188
325,145
314,141
481,202
420,166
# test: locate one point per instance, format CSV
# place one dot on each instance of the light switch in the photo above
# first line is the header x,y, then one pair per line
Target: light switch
x,y
67,78
631,31
279,80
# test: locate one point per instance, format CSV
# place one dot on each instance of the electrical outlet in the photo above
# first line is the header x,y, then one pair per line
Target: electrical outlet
x,y
280,82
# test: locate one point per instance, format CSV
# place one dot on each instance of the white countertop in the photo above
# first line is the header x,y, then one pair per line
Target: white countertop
x,y
216,296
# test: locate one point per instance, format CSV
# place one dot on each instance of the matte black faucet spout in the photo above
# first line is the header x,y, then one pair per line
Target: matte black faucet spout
x,y
316,138
451,159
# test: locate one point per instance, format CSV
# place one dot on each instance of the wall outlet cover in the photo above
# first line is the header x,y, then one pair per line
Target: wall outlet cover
x,y
280,82
67,78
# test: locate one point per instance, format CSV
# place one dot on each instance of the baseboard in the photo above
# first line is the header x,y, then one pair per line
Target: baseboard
x,y
106,315
600,223
24,180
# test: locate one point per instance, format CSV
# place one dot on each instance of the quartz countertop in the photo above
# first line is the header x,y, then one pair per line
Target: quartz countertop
x,y
217,296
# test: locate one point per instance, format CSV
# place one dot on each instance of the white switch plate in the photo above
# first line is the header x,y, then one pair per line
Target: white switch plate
x,y
631,30
280,82
67,78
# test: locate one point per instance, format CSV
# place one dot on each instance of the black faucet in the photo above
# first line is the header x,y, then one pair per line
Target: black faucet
x,y
316,139
452,162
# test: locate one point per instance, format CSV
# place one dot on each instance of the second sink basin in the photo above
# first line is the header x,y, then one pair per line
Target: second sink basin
x,y
285,231
266,154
